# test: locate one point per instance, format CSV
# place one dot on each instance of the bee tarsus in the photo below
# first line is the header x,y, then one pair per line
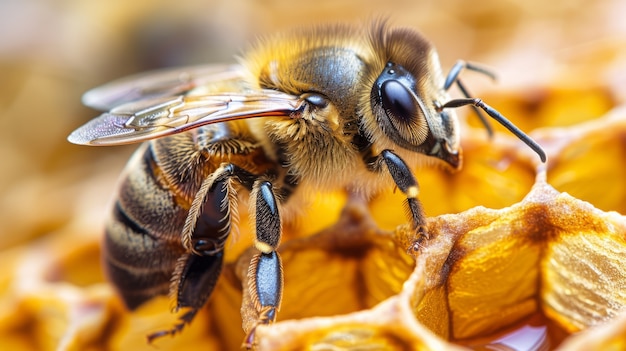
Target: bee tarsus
x,y
266,275
185,319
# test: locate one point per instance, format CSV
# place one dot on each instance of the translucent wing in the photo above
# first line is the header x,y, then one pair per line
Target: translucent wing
x,y
157,117
160,83
166,102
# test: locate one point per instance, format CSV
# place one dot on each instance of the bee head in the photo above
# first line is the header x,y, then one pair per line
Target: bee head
x,y
406,91
411,120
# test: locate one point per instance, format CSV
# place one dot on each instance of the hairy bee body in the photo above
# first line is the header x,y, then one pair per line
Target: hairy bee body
x,y
327,108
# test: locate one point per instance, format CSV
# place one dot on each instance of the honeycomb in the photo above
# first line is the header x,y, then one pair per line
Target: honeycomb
x,y
521,255
547,266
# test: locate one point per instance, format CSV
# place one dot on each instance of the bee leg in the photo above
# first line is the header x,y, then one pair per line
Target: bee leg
x,y
198,277
453,77
266,272
206,229
404,179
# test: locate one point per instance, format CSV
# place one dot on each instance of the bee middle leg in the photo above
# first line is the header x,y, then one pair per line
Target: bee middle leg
x,y
406,182
265,274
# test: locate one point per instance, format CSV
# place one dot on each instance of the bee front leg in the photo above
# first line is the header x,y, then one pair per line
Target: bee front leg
x,y
265,275
404,179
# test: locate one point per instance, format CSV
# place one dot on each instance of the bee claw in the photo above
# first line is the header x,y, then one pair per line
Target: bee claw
x,y
248,342
177,328
418,244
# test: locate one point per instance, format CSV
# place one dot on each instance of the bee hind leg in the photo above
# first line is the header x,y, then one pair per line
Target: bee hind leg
x,y
206,230
265,274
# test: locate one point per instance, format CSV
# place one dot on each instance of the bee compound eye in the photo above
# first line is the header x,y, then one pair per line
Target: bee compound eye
x,y
397,101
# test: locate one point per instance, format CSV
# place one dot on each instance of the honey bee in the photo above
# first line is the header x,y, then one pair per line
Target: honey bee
x,y
319,109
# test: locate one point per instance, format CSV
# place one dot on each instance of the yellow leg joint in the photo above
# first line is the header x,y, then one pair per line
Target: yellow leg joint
x,y
263,247
412,192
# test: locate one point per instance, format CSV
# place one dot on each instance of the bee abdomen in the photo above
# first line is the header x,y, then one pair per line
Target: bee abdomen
x,y
138,263
142,242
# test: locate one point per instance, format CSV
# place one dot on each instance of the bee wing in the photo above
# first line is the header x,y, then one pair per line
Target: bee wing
x,y
157,117
159,83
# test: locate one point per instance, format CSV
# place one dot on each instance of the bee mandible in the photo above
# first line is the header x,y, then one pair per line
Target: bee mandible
x,y
319,109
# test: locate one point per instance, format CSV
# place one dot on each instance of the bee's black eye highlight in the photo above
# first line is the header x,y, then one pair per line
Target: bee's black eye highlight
x,y
397,101
392,91
317,100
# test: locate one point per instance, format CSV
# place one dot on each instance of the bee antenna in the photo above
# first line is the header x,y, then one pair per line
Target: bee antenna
x,y
453,77
459,66
493,113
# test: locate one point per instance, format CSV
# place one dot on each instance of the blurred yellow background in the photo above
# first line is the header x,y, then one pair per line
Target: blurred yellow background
x,y
53,51
559,63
